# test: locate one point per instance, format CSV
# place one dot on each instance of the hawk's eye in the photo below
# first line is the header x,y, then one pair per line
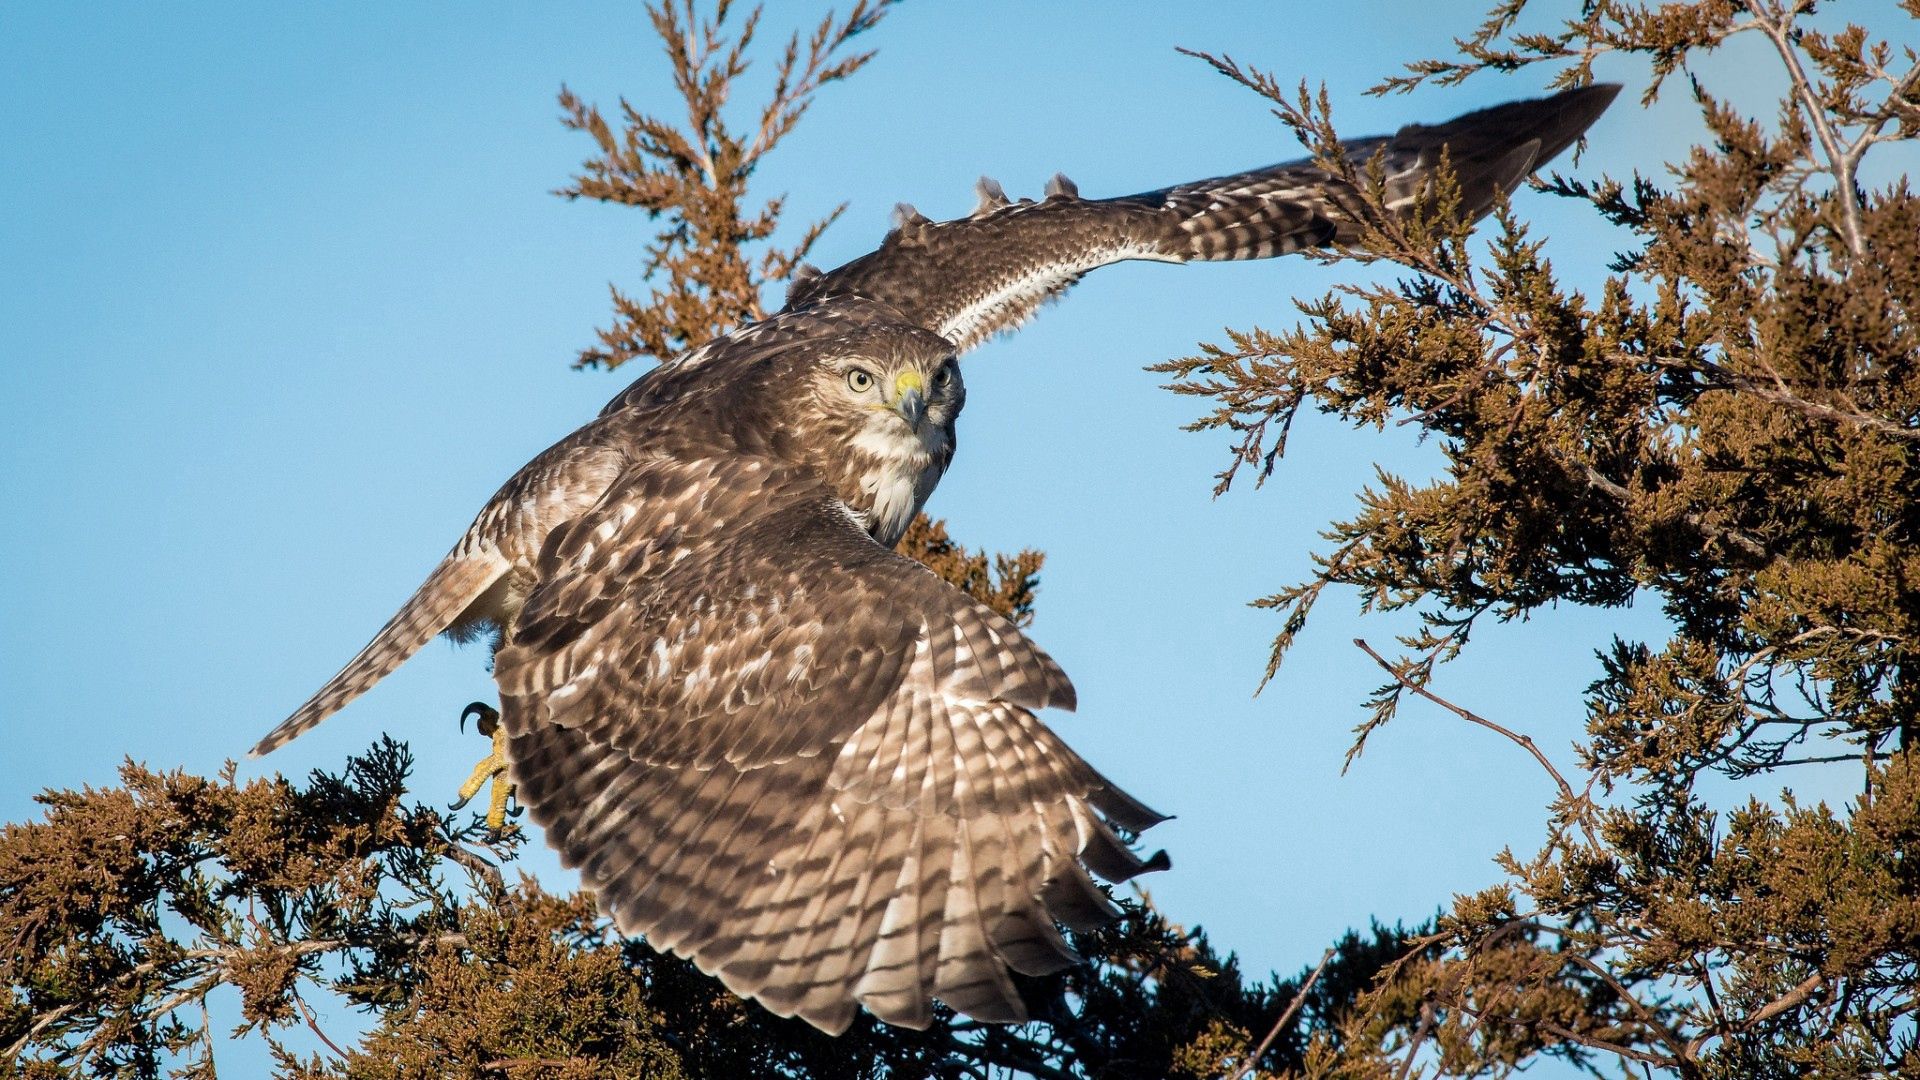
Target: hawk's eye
x,y
943,377
859,380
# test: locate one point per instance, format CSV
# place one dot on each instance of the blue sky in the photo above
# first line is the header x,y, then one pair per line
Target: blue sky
x,y
284,296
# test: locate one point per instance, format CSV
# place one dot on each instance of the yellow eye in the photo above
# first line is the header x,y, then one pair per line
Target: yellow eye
x,y
859,380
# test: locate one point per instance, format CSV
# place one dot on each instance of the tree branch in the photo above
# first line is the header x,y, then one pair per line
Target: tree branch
x,y
1775,23
1299,998
1573,802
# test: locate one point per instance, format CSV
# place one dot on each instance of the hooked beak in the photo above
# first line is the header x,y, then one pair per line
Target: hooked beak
x,y
912,408
910,402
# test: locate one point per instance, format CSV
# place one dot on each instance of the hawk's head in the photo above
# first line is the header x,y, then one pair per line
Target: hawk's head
x,y
877,408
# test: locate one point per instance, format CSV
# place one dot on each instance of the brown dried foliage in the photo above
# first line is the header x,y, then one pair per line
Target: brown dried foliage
x,y
1009,586
712,253
1730,427
124,909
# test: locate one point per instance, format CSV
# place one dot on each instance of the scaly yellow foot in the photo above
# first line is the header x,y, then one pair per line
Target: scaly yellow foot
x,y
493,768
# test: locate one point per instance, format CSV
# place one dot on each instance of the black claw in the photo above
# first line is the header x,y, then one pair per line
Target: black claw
x,y
461,804
488,719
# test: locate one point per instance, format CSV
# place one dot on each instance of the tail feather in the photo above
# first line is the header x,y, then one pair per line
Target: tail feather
x,y
453,586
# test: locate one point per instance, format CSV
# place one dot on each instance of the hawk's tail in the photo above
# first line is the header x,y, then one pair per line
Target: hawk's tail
x,y
454,585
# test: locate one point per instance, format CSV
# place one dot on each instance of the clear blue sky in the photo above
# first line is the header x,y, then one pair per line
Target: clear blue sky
x,y
284,296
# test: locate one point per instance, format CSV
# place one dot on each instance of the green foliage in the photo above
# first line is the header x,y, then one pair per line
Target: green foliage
x,y
1731,428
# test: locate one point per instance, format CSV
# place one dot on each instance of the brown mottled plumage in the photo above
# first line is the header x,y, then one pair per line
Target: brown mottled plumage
x,y
770,743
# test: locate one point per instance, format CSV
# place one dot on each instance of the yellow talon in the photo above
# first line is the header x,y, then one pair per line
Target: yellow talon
x,y
502,787
492,768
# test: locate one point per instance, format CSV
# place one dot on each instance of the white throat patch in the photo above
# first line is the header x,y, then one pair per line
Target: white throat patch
x,y
901,476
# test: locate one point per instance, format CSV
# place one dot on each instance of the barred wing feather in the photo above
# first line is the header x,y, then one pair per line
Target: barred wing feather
x,y
864,811
973,277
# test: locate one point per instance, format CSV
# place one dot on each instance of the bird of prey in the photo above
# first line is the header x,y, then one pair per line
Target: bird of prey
x,y
769,742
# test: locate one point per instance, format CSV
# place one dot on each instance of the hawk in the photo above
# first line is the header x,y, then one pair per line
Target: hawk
x,y
769,742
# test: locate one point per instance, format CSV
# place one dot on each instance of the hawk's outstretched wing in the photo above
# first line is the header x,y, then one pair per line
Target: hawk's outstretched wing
x,y
799,759
974,277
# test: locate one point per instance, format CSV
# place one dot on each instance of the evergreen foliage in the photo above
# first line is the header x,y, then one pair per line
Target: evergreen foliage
x,y
1730,429
124,908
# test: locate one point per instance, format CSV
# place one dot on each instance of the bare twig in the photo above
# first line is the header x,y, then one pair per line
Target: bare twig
x,y
1627,1052
1299,999
206,1034
46,1020
1776,24
1788,1000
1797,996
313,1024
1644,1014
1419,1037
474,864
1768,766
1573,802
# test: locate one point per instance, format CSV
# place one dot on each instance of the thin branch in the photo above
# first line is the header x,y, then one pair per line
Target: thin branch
x,y
1720,1021
1791,999
1627,1052
1753,768
1524,742
206,1034
48,1019
1788,1000
313,1024
1419,1036
1732,381
1286,1016
1774,22
1645,1015
1895,104
474,864
1601,482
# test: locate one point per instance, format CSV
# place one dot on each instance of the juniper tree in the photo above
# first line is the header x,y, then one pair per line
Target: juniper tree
x,y
1728,427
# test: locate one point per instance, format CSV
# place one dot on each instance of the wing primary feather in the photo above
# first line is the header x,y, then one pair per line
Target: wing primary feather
x,y
460,579
1076,902
968,976
893,987
988,273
